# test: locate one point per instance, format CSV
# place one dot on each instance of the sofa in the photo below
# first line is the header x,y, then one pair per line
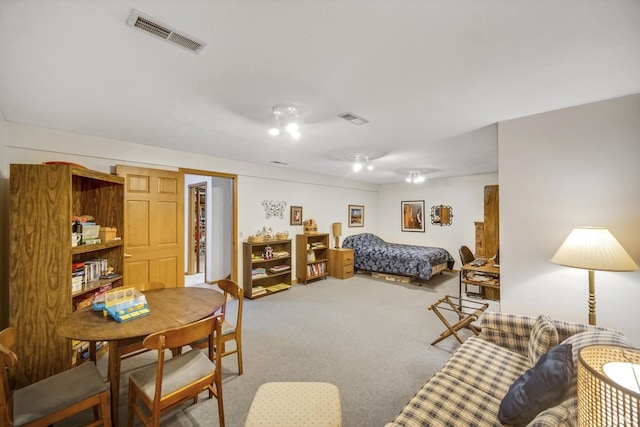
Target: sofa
x,y
496,366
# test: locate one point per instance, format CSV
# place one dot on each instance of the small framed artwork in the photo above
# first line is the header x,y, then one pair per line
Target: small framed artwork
x,y
296,215
356,216
412,215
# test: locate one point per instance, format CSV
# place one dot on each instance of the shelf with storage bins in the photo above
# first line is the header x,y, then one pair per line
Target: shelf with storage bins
x,y
312,256
266,267
44,199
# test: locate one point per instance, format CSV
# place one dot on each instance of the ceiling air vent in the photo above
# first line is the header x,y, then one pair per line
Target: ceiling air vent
x,y
161,30
355,119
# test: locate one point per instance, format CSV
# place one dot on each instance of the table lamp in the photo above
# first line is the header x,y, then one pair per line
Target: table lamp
x,y
608,386
336,227
593,248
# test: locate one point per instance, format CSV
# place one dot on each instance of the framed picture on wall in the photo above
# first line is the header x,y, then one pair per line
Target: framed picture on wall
x,y
412,212
296,215
356,216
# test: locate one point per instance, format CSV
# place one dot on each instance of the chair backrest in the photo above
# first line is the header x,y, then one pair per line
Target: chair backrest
x,y
186,334
466,256
231,288
8,359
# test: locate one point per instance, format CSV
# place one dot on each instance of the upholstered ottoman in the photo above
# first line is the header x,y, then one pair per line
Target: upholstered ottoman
x,y
295,404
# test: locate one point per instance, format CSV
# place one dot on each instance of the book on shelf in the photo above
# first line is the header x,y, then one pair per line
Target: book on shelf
x,y
258,290
279,268
278,287
258,273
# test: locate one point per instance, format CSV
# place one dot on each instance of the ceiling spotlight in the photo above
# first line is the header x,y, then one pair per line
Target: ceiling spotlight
x,y
362,161
415,177
357,166
369,164
285,118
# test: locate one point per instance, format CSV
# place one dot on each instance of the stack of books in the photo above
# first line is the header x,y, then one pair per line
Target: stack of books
x,y
280,254
258,273
258,290
78,277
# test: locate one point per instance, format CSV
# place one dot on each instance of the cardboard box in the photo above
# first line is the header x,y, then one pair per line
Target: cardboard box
x,y
108,234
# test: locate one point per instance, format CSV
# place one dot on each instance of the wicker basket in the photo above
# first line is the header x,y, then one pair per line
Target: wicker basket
x,y
254,239
282,236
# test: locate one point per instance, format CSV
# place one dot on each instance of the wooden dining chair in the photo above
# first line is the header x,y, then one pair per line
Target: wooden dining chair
x,y
53,399
166,383
134,346
230,332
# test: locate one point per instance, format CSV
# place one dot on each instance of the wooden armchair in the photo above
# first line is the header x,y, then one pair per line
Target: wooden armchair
x,y
230,332
52,399
165,384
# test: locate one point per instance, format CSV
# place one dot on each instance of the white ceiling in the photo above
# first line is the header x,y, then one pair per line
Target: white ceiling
x,y
432,76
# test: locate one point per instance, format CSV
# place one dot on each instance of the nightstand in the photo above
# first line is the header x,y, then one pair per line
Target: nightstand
x,y
341,263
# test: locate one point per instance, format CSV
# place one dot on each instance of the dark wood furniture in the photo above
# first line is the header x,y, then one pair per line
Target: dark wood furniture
x,y
341,263
312,254
44,198
170,308
254,258
487,277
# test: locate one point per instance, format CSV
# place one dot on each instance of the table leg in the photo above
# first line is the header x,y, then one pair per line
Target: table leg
x,y
114,379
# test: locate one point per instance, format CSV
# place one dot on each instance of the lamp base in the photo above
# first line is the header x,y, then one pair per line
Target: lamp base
x,y
337,239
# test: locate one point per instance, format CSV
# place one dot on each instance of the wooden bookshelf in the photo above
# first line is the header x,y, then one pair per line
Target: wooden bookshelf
x,y
273,280
44,198
312,256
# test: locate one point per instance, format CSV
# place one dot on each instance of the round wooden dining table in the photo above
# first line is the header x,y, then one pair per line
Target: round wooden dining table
x,y
170,308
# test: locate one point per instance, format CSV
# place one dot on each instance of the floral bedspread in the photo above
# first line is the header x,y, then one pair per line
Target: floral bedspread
x,y
371,253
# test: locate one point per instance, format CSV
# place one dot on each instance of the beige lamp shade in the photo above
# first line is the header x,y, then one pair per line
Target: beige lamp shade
x,y
593,248
608,386
336,228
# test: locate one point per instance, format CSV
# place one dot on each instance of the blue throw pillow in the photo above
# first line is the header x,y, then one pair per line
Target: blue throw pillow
x,y
540,388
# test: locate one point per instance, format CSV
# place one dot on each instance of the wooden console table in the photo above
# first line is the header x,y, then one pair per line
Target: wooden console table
x,y
487,277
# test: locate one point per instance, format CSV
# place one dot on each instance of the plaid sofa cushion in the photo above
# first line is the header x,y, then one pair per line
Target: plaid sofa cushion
x,y
446,401
543,337
486,366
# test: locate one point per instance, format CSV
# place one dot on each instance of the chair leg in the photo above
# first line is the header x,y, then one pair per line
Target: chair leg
x,y
105,408
219,397
132,402
239,350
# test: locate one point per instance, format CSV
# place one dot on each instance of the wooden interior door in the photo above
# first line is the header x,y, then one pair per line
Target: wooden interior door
x,y
154,224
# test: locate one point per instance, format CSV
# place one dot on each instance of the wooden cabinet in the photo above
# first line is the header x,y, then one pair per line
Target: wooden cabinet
x,y
267,267
44,198
479,252
312,255
341,263
488,232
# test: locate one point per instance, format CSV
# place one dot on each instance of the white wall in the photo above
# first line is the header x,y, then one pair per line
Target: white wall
x,y
465,195
558,170
322,197
325,203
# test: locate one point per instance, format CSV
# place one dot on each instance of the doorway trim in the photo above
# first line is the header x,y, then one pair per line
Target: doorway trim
x,y
193,261
234,210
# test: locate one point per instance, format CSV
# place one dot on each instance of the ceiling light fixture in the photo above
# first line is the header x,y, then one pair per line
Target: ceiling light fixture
x,y
285,118
362,161
415,177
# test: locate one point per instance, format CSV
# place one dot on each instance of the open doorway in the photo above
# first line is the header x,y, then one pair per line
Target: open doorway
x,y
197,230
210,227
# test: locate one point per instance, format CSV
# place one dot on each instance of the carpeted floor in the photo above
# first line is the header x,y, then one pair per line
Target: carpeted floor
x,y
369,337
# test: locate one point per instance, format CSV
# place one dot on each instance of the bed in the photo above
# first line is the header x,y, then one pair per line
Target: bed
x,y
373,254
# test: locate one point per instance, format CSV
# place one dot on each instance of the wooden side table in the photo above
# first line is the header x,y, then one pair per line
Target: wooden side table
x,y
341,263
